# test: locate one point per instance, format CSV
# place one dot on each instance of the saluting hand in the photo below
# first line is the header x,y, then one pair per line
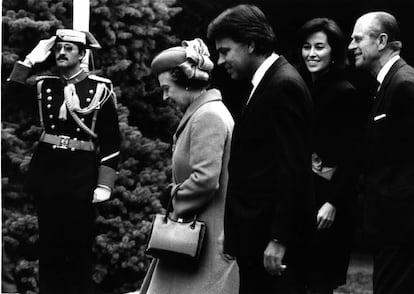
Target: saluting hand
x,y
41,51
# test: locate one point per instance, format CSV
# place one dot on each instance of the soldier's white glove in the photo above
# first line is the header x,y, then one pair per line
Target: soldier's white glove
x,y
101,193
41,51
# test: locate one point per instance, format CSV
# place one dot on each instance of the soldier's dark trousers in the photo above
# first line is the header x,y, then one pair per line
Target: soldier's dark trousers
x,y
65,228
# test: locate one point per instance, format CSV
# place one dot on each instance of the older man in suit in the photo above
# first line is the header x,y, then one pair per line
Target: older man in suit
x,y
269,207
389,166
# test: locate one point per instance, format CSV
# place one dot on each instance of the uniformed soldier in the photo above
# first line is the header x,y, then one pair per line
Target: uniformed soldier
x,y
75,162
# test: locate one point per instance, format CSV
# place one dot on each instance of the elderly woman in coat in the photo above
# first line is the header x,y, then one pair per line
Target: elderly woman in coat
x,y
199,165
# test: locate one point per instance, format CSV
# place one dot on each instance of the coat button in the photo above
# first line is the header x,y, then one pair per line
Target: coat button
x,y
49,98
88,99
91,91
48,90
49,106
77,129
52,127
50,116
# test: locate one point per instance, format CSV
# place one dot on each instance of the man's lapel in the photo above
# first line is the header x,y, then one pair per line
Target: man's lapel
x,y
379,107
261,87
383,87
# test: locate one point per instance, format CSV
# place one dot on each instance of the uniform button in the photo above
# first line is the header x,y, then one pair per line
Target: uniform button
x,y
53,127
49,98
82,119
50,116
91,91
88,99
77,129
49,106
48,90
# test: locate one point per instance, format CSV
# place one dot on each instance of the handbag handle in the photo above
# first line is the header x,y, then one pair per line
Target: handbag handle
x,y
170,205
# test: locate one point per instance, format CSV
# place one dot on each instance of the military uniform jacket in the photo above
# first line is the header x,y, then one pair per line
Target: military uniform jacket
x,y
61,163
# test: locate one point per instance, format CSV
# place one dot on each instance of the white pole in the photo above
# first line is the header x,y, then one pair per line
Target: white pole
x,y
81,15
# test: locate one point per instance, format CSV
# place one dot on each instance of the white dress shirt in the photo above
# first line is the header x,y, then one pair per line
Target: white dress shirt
x,y
261,71
385,69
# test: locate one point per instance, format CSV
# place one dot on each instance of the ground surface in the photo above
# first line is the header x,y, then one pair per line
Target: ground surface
x,y
359,276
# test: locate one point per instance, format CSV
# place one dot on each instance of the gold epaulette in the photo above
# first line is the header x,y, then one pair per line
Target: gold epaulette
x,y
39,78
99,79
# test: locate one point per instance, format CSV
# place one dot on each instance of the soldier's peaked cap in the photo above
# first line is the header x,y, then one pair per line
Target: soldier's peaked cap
x,y
85,38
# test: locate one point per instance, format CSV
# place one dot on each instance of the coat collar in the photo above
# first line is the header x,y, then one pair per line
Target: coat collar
x,y
380,95
208,96
263,68
385,69
394,68
76,78
281,61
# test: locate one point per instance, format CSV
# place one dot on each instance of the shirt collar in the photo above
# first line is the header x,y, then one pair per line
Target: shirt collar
x,y
386,68
260,72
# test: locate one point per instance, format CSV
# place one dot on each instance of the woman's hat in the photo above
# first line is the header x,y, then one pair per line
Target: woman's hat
x,y
168,59
192,57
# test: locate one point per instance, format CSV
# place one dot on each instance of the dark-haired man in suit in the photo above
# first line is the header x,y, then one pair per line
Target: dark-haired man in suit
x,y
269,207
389,160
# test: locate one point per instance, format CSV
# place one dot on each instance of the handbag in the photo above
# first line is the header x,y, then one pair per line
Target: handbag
x,y
178,239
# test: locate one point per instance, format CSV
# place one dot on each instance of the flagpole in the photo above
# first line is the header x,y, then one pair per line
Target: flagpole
x,y
81,16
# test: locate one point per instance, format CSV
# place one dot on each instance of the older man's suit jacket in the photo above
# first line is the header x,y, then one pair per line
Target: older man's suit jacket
x,y
389,167
270,191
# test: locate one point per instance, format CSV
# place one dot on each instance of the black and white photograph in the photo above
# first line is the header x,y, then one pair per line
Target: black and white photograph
x,y
207,147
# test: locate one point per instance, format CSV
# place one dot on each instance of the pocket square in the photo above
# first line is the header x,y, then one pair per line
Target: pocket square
x,y
379,116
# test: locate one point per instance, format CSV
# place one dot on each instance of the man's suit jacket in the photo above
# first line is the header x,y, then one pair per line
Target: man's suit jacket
x,y
389,167
270,191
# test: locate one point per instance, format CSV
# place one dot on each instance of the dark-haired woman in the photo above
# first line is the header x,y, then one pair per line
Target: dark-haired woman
x,y
339,124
